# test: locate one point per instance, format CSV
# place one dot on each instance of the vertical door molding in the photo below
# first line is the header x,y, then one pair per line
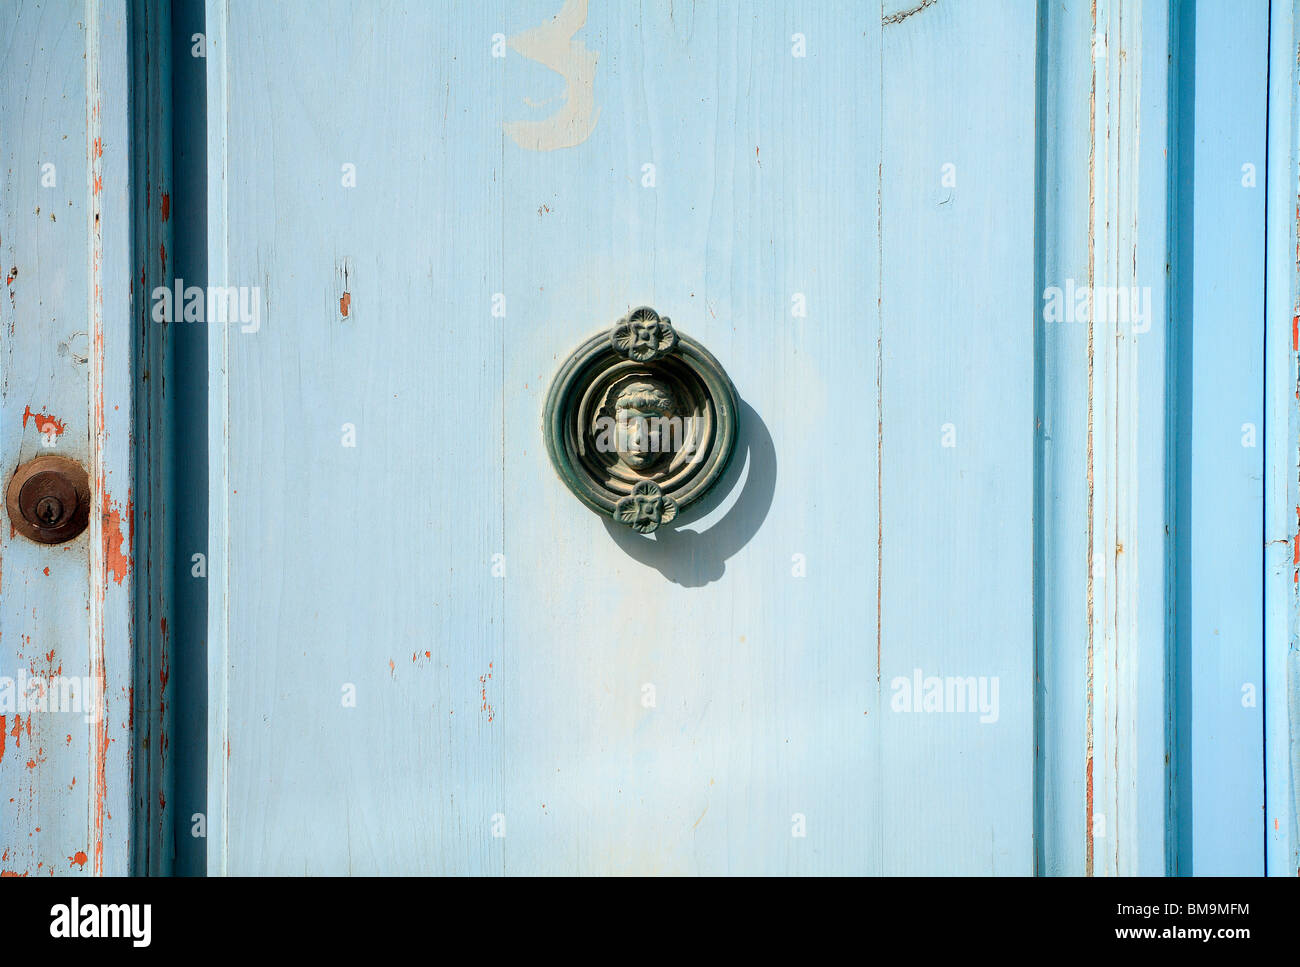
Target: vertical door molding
x,y
111,407
152,265
1281,670
1101,506
218,746
1125,457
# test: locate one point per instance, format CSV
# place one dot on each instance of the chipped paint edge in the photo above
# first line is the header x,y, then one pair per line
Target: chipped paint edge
x,y
108,309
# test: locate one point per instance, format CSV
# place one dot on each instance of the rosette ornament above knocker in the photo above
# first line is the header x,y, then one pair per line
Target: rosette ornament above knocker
x,y
640,421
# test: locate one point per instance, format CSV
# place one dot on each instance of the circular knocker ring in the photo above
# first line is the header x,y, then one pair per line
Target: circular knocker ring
x,y
640,421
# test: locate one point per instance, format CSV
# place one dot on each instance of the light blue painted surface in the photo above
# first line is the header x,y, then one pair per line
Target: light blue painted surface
x,y
1282,466
769,704
1149,779
958,348
1224,503
65,353
1061,794
774,695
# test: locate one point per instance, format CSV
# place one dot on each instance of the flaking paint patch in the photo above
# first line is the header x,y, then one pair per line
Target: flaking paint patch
x,y
99,736
901,15
117,542
344,269
487,707
44,422
99,762
78,858
552,45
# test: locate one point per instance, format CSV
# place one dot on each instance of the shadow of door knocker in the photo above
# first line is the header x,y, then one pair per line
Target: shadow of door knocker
x,y
641,421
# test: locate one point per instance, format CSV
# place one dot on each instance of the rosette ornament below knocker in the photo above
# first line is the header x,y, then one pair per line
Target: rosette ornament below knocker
x,y
646,508
640,421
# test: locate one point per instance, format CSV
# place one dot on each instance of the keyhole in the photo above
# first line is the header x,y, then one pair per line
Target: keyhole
x,y
49,510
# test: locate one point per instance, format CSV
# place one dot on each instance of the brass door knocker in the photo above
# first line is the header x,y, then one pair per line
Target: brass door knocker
x,y
640,421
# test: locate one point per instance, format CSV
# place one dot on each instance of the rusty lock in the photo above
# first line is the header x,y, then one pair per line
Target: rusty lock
x,y
49,499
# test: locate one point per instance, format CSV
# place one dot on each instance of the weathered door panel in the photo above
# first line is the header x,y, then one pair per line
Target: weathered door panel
x,y
66,610
714,700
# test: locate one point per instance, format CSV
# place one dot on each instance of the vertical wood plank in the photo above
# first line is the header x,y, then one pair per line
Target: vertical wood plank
x,y
1224,499
44,267
957,290
357,444
66,388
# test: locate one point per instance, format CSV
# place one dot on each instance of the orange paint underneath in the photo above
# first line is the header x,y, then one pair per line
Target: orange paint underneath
x,y
79,858
1088,857
487,706
117,544
345,303
44,422
165,209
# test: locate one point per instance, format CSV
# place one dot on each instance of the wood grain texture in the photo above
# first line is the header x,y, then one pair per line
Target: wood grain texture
x,y
958,348
1125,457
